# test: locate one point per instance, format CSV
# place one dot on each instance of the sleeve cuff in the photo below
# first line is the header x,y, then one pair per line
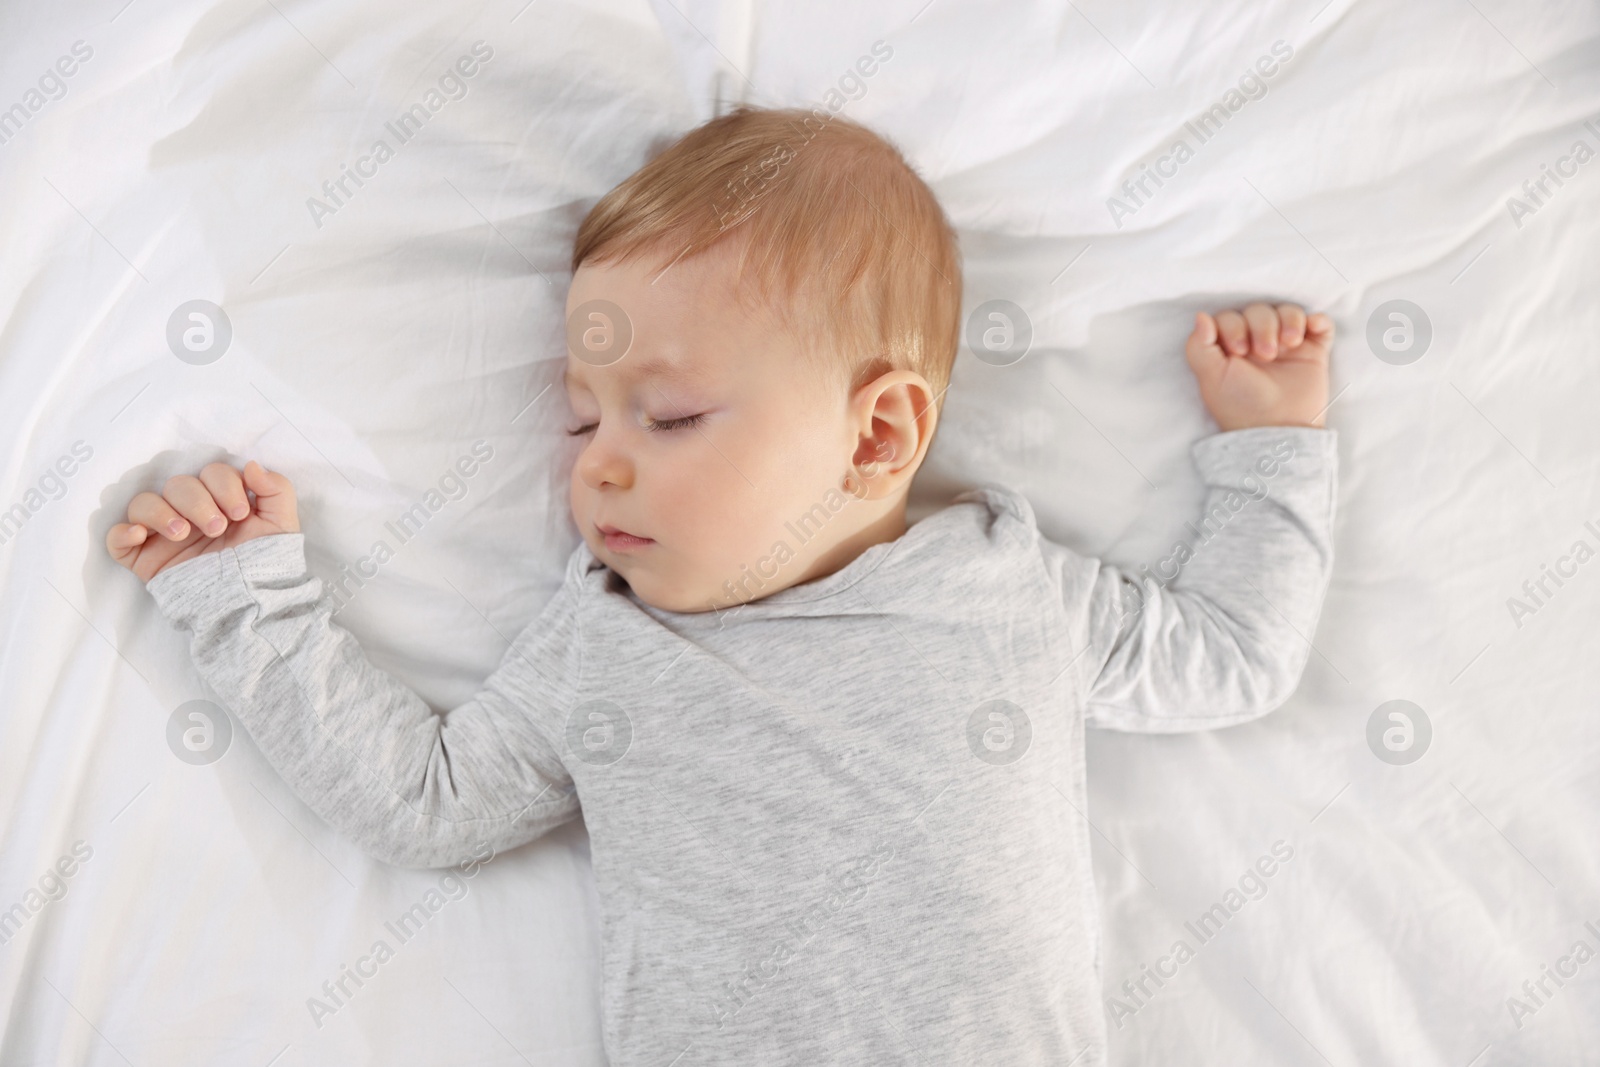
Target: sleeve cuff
x,y
1270,452
217,582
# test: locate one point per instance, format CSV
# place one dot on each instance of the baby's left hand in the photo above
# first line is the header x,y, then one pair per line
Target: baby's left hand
x,y
1265,367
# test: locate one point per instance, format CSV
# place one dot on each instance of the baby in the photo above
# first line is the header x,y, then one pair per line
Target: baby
x,y
831,766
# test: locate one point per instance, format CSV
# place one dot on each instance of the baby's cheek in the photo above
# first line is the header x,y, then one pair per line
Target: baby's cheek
x,y
574,497
686,512
720,527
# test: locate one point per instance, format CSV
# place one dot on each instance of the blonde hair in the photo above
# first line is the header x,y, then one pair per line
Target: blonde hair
x,y
831,219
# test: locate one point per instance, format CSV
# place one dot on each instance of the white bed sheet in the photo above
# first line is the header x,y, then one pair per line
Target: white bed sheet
x,y
372,350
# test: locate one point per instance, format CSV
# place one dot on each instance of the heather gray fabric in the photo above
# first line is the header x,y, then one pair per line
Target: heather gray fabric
x,y
838,825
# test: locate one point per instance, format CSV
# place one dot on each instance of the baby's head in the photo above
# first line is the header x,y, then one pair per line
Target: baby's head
x,y
761,327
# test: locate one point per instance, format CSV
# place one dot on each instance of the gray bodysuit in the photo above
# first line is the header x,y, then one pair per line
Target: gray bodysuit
x,y
843,824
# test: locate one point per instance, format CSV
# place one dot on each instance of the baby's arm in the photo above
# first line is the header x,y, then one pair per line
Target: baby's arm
x,y
1216,630
365,752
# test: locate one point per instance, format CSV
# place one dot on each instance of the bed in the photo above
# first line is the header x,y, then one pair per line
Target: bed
x,y
209,257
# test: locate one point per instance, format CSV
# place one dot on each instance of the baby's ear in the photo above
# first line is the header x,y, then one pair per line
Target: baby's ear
x,y
898,418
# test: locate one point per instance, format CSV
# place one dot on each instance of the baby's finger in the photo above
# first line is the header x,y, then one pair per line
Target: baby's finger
x,y
1205,357
193,501
154,513
227,489
1263,320
275,499
1319,338
124,540
1292,319
1235,334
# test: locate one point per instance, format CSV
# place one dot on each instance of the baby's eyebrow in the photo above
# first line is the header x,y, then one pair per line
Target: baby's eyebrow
x,y
654,368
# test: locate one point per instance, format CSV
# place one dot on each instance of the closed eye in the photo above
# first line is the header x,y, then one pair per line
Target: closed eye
x,y
676,424
654,427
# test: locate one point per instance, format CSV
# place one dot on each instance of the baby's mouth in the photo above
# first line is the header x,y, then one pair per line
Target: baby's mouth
x,y
622,541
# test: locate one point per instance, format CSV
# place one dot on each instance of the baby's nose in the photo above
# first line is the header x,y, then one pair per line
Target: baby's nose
x,y
600,464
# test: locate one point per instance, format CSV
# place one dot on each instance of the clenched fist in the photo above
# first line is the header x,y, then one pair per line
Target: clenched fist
x,y
1266,366
192,516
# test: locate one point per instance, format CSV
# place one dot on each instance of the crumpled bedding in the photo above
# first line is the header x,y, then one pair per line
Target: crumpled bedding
x,y
1351,887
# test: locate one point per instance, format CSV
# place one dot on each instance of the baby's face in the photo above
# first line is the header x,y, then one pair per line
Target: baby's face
x,y
709,439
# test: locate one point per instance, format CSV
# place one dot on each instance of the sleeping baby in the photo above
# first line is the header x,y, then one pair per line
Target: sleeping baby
x,y
831,764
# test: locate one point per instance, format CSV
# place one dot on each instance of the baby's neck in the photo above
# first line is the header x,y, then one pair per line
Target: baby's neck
x,y
889,526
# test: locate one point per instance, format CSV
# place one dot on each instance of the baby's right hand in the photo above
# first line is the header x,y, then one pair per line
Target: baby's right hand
x,y
193,516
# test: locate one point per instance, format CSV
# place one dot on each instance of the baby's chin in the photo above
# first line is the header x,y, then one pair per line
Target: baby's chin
x,y
663,590
667,596
652,581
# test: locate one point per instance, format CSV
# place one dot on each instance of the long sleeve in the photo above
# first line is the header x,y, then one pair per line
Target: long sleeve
x,y
1221,633
410,786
